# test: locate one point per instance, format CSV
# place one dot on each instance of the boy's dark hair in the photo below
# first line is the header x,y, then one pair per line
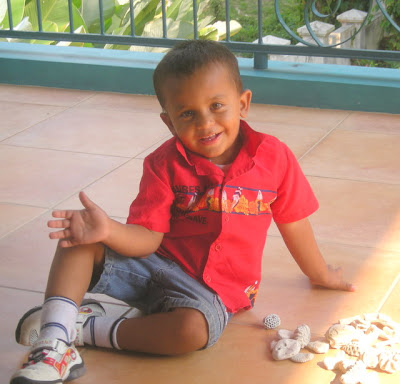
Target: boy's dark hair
x,y
187,57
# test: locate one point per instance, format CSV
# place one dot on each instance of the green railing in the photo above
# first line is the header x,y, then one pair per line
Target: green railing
x,y
259,50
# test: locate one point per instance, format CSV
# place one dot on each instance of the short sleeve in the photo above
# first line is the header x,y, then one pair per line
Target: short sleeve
x,y
152,206
295,197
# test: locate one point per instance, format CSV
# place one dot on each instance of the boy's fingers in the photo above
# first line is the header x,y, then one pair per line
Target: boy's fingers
x,y
86,202
59,223
64,234
60,214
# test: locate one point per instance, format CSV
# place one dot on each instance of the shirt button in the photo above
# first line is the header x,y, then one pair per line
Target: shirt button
x,y
218,247
207,278
226,218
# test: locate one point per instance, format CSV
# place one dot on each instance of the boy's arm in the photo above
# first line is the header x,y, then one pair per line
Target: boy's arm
x,y
299,238
92,225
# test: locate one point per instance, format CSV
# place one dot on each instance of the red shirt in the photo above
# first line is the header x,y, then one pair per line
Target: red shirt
x,y
215,224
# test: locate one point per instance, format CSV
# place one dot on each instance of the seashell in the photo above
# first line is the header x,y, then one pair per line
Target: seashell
x,y
273,343
389,361
370,357
318,347
354,348
349,320
339,335
272,321
361,324
330,363
302,334
285,334
285,349
371,316
355,374
344,365
370,377
302,357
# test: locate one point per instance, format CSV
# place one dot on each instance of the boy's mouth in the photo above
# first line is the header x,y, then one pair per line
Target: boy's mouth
x,y
211,138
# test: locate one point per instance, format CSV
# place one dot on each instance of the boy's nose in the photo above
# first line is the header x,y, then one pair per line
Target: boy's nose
x,y
204,121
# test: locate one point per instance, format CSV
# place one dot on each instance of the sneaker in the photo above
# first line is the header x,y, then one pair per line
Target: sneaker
x,y
28,327
51,361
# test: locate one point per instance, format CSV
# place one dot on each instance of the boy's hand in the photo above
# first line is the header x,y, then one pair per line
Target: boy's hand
x,y
86,226
334,280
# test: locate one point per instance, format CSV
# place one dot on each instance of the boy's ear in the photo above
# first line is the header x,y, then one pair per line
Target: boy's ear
x,y
245,99
167,121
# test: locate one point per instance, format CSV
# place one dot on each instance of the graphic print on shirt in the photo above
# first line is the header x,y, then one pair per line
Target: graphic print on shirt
x,y
251,292
231,199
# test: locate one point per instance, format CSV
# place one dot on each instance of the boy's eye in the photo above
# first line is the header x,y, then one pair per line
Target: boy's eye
x,y
187,114
217,105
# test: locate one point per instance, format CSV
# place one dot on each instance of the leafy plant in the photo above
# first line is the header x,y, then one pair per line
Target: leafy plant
x,y
148,21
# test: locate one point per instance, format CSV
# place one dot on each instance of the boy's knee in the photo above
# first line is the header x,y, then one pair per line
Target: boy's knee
x,y
192,330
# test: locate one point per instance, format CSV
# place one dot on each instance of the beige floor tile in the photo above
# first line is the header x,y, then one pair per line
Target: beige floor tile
x,y
42,95
286,291
372,122
348,155
124,102
113,192
307,117
42,178
26,255
391,304
16,117
358,213
241,355
12,216
14,303
95,131
298,138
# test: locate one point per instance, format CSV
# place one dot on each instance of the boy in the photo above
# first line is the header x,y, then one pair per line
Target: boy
x,y
206,200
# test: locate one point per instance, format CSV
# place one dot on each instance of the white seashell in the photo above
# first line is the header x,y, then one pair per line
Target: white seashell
x,y
361,324
302,357
355,374
285,334
285,349
302,334
273,343
389,361
370,377
371,316
344,365
330,363
318,347
339,335
370,357
272,321
354,348
349,320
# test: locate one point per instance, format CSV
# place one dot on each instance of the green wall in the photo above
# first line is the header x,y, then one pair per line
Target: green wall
x,y
283,83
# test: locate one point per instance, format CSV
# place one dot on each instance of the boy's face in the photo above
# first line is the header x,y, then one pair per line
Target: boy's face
x,y
204,111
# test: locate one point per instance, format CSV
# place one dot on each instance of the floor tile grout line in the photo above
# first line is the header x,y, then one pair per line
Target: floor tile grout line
x,y
323,138
388,293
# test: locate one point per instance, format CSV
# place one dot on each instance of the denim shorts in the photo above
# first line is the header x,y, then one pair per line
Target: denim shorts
x,y
156,284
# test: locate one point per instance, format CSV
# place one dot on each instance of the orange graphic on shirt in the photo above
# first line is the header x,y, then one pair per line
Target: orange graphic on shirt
x,y
238,203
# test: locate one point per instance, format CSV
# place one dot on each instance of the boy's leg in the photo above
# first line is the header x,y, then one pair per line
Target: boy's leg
x,y
72,270
179,331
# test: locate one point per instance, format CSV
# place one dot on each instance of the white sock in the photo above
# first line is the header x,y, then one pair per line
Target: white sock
x,y
58,319
102,331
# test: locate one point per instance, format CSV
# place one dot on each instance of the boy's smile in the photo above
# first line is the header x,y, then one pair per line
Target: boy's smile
x,y
204,110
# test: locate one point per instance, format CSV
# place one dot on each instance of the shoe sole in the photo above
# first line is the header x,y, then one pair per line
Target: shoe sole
x,y
38,308
76,372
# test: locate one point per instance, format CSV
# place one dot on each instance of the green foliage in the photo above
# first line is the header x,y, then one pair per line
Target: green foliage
x,y
117,19
391,41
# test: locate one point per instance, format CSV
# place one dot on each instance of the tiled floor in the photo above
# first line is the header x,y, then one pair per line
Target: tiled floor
x,y
55,143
